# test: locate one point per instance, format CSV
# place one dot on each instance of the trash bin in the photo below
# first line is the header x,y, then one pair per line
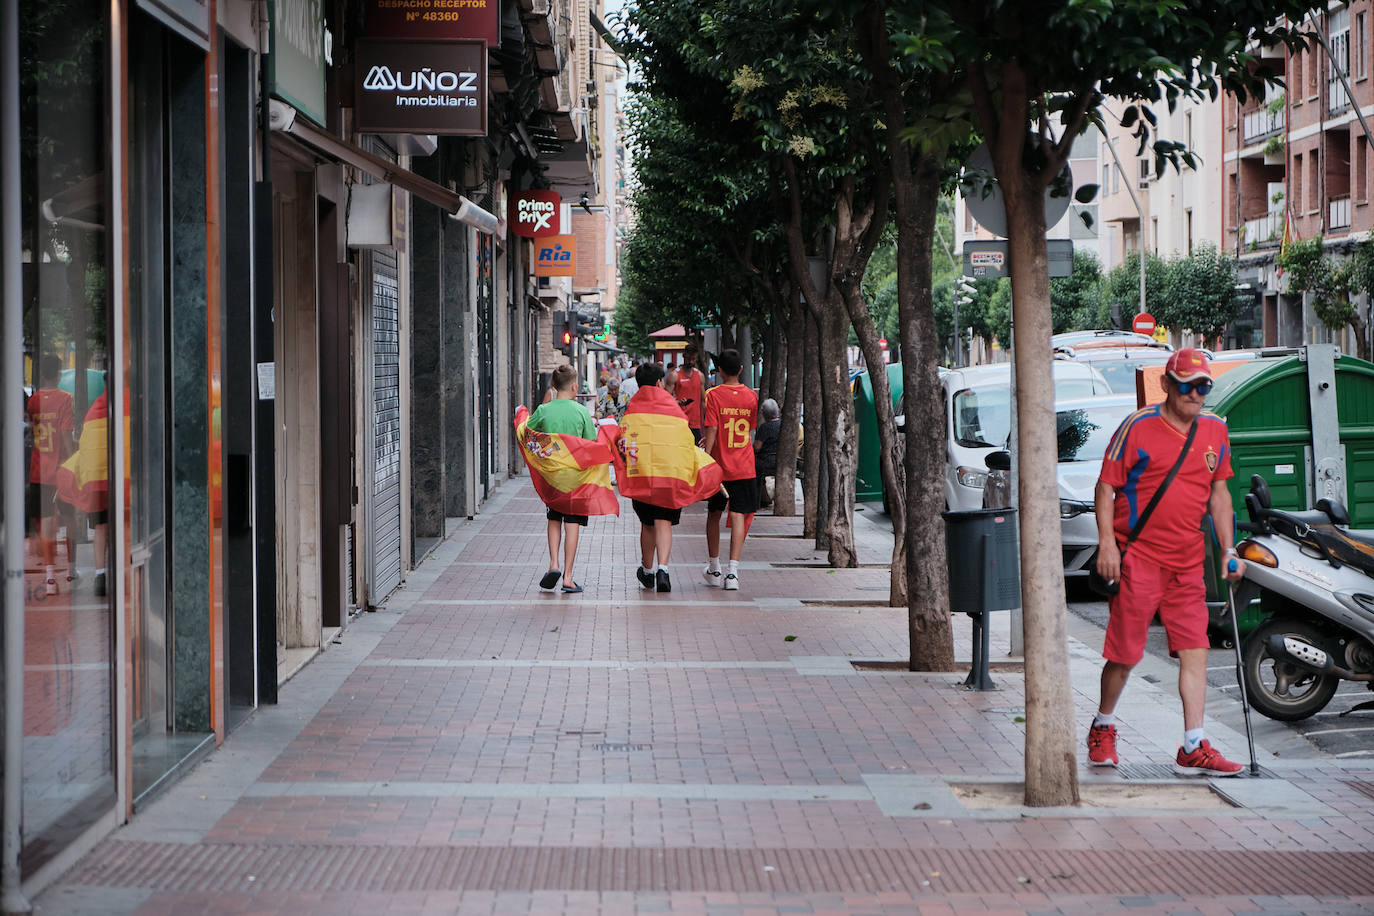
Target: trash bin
x,y
984,575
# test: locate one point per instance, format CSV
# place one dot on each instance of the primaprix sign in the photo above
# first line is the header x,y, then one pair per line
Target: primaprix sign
x,y
422,87
534,214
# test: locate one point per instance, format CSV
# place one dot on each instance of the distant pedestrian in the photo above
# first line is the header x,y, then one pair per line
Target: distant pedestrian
x,y
690,391
51,417
766,448
563,414
610,402
1166,466
659,467
629,385
731,414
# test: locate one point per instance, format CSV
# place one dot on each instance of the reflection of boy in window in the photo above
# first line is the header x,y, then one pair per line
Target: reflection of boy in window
x,y
51,417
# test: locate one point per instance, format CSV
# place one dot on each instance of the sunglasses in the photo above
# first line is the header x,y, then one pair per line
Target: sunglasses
x,y
1202,388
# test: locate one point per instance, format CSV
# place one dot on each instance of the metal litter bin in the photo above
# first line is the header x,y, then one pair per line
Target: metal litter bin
x,y
984,575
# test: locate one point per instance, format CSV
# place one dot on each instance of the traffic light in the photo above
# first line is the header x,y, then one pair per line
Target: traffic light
x,y
562,333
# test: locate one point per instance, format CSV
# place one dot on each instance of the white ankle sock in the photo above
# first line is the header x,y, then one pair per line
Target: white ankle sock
x,y
713,564
732,567
1191,739
1102,719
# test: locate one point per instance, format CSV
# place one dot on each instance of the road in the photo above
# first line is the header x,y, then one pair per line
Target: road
x,y
1335,731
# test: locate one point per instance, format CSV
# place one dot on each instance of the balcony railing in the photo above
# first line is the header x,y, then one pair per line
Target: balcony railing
x,y
1262,123
1265,230
1338,98
1338,212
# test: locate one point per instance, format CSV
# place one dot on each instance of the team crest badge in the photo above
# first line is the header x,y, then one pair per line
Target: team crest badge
x,y
1211,458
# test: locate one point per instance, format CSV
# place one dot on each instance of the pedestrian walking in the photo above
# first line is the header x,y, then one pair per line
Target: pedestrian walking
x,y
51,416
610,402
1166,466
689,389
766,449
659,467
563,415
628,385
730,415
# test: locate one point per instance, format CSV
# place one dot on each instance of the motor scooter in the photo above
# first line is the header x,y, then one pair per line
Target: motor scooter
x,y
1317,576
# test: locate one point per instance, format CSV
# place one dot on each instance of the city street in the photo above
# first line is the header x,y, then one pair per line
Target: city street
x,y
479,746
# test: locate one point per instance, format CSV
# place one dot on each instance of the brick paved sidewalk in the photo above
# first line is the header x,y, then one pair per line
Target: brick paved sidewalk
x,y
479,746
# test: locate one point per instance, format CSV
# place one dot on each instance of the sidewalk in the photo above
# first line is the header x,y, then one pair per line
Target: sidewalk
x,y
479,746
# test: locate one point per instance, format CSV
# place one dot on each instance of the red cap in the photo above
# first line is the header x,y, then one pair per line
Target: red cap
x,y
1189,365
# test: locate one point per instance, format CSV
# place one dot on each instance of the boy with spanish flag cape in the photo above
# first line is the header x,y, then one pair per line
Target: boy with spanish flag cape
x,y
658,465
569,466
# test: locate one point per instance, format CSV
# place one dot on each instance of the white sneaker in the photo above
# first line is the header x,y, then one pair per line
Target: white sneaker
x,y
713,577
731,582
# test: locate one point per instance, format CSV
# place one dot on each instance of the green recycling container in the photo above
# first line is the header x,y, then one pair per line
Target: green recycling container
x,y
870,479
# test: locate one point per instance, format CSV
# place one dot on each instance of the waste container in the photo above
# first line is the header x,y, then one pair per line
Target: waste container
x,y
870,479
1304,421
984,575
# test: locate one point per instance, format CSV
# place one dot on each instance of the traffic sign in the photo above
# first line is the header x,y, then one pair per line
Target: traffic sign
x,y
983,194
984,259
882,342
1144,323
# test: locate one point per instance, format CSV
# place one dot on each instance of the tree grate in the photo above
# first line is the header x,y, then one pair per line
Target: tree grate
x,y
1159,771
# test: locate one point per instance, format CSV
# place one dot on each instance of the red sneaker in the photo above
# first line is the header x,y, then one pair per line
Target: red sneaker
x,y
1205,761
1102,746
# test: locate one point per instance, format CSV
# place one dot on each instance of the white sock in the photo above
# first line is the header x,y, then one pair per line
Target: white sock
x,y
52,572
713,564
1104,719
1191,739
662,568
732,567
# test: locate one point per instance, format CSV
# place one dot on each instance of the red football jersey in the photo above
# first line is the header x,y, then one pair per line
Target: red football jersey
x,y
688,393
733,410
50,414
1138,459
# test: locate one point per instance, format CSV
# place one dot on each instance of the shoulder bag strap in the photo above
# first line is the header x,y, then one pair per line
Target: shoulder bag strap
x,y
1173,472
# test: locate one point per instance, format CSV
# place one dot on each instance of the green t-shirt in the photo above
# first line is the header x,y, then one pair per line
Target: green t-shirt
x,y
563,415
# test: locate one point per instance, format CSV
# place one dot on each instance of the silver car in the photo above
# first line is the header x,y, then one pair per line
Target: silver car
x,y
1085,427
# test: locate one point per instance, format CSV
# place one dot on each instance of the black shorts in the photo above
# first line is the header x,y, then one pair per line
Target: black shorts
x,y
41,500
649,513
696,434
555,516
743,498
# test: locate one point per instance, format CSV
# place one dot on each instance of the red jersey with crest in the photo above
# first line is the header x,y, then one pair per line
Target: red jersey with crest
x,y
733,410
51,414
1138,459
688,393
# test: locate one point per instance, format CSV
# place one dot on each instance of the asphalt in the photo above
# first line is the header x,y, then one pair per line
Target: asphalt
x,y
477,745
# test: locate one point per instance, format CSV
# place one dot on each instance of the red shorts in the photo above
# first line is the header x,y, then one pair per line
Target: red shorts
x,y
1179,597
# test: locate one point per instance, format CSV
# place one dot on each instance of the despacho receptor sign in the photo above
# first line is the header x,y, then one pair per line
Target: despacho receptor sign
x,y
422,87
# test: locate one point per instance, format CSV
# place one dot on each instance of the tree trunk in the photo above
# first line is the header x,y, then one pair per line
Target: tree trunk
x,y
1051,748
774,357
1357,325
916,199
889,449
840,453
784,493
812,414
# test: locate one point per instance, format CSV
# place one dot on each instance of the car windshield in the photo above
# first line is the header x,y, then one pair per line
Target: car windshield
x,y
1120,373
1085,432
982,416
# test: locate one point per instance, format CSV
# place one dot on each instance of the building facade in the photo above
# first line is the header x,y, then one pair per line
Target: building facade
x,y
270,348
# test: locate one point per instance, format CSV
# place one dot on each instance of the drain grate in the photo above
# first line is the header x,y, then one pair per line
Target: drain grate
x,y
1364,788
1166,771
621,748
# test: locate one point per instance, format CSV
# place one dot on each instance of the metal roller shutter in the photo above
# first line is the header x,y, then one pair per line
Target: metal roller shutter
x,y
386,428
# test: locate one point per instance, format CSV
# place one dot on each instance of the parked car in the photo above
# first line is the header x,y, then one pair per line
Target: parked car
x,y
1118,364
1084,427
978,420
1073,341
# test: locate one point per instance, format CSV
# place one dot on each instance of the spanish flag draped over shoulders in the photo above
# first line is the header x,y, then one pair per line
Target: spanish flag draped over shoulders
x,y
658,461
572,475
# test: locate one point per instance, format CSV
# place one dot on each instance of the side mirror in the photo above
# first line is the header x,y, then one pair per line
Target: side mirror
x,y
999,460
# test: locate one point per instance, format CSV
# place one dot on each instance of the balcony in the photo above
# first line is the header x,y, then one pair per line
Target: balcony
x,y
1338,212
1261,124
1265,230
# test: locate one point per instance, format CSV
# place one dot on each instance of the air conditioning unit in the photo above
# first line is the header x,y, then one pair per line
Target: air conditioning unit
x,y
1143,178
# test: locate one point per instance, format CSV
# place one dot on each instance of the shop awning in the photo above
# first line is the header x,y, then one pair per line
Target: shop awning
x,y
283,118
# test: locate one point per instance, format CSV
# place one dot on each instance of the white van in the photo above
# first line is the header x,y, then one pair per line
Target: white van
x,y
978,420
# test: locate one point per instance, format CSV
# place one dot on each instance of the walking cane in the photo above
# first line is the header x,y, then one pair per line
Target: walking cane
x,y
1231,566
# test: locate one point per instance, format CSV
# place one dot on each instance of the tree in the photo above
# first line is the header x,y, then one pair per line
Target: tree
x,y
1330,284
1050,64
1075,300
1202,294
1121,298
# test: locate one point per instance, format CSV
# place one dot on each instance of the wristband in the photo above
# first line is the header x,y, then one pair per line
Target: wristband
x,y
1229,552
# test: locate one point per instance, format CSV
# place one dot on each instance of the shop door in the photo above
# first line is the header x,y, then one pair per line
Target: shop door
x,y
384,509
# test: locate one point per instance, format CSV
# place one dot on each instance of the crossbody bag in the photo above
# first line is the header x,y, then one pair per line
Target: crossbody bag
x,y
1107,588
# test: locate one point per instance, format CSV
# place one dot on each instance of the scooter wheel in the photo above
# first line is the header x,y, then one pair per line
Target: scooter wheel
x,y
1282,690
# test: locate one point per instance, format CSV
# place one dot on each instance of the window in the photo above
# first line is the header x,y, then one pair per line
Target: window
x,y
1295,76
1361,169
1312,69
1143,176
1188,229
1338,38
1154,233
1188,129
1297,183
1106,176
1361,46
1314,182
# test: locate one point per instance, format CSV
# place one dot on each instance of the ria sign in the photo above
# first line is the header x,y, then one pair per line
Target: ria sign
x,y
555,256
422,87
534,214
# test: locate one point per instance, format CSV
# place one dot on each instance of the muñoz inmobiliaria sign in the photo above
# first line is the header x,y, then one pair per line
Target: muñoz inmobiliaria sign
x,y
421,87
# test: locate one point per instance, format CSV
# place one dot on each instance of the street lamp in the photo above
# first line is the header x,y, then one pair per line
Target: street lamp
x,y
966,293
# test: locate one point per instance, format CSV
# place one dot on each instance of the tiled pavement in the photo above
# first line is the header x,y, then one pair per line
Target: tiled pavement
x,y
478,746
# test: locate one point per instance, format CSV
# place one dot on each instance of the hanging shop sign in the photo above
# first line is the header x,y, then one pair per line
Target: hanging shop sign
x,y
479,20
534,214
422,87
555,256
299,55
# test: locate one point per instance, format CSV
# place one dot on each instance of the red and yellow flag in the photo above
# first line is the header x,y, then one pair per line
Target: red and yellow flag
x,y
658,461
83,480
572,475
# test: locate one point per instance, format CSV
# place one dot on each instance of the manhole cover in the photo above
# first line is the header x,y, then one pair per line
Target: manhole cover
x,y
1166,771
